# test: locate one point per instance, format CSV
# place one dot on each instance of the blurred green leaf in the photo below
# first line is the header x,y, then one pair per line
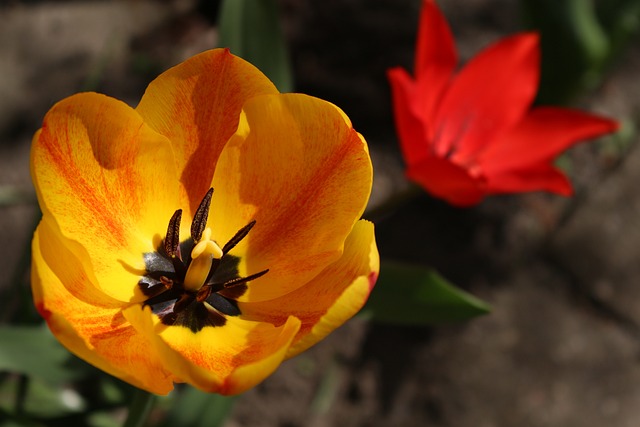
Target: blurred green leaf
x,y
414,295
11,195
33,351
576,48
7,419
194,408
251,29
46,401
42,400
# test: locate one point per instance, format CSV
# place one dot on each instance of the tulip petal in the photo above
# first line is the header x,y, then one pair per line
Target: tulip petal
x,y
227,359
491,93
408,117
540,177
297,168
96,333
447,181
331,298
197,104
436,58
543,134
108,182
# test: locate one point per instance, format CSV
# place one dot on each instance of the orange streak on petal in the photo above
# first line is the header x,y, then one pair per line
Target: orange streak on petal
x,y
197,105
298,168
100,335
329,299
107,181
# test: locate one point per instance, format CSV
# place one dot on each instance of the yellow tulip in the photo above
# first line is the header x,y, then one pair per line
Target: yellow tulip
x,y
204,236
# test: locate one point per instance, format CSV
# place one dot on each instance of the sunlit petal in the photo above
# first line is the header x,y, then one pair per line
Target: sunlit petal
x,y
95,332
196,105
303,174
109,183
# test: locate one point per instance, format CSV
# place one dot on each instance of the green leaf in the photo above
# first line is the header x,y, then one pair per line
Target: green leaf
x,y
576,47
33,351
413,295
139,409
251,29
194,408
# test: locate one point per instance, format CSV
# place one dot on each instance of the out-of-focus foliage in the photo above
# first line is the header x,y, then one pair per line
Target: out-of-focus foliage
x,y
252,30
580,41
415,295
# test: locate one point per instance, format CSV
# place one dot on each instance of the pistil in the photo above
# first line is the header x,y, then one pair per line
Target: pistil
x,y
202,256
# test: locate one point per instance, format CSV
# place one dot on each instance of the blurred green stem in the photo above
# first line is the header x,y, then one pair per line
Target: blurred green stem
x,y
21,394
140,408
15,300
252,30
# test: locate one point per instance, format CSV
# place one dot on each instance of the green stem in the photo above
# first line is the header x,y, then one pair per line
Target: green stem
x,y
140,408
21,394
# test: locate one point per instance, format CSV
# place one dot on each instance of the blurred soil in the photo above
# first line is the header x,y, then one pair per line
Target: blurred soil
x,y
562,346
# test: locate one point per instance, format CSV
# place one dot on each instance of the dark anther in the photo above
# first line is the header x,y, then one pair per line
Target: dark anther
x,y
168,283
200,218
241,234
203,293
172,241
166,271
240,280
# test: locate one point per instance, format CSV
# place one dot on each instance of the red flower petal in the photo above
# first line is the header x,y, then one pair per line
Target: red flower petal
x,y
409,122
543,134
448,181
490,95
541,177
436,57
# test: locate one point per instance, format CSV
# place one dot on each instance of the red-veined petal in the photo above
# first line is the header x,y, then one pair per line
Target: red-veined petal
x,y
108,182
299,169
99,334
197,105
226,359
330,298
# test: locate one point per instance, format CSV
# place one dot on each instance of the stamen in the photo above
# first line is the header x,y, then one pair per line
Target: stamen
x,y
241,234
168,283
202,289
203,293
200,218
240,280
172,241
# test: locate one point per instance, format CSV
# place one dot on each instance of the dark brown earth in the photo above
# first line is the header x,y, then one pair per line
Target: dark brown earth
x,y
562,346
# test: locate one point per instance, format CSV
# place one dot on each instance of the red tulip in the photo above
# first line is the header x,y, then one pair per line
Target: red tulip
x,y
470,133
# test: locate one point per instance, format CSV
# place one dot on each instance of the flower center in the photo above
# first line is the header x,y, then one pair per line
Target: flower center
x,y
201,288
